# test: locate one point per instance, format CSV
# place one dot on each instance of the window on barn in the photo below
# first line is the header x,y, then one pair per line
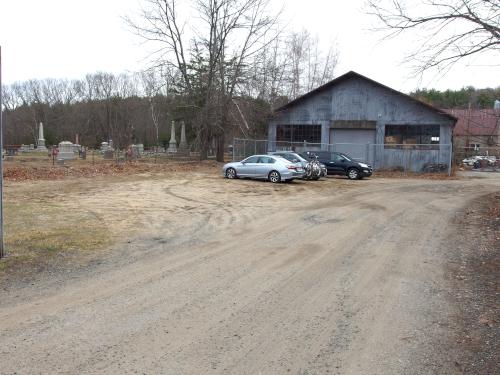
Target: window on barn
x,y
411,134
298,133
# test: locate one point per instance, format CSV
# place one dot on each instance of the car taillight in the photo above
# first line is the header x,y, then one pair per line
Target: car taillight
x,y
291,167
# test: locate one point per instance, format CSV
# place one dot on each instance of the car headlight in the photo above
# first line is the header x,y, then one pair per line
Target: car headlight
x,y
363,165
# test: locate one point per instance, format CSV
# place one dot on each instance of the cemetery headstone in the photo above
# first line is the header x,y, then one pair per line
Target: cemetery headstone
x,y
183,146
40,145
65,151
104,146
172,145
109,154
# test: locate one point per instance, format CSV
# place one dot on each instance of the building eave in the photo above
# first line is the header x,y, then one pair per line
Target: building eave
x,y
349,75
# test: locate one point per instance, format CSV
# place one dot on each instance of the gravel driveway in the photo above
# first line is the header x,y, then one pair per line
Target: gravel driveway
x,y
247,277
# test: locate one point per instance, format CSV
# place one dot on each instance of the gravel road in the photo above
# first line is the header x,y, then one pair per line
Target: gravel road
x,y
246,277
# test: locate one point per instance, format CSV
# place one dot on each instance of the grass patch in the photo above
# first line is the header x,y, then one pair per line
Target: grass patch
x,y
35,233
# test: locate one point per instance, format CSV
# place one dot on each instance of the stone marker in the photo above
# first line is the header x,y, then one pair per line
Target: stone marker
x,y
138,149
109,154
40,145
183,144
172,146
104,146
66,151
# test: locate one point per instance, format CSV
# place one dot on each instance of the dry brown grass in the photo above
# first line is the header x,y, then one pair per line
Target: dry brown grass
x,y
36,232
45,220
42,170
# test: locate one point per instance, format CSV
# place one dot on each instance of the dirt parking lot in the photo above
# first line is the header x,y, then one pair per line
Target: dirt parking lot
x,y
189,273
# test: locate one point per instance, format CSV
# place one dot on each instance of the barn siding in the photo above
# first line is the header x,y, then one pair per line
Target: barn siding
x,y
359,99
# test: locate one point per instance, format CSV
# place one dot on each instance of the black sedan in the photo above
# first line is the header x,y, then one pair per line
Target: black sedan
x,y
338,163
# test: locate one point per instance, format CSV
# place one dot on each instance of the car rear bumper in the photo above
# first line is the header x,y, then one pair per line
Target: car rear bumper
x,y
288,175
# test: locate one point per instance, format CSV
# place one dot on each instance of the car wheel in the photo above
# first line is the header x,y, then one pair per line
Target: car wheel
x,y
274,176
353,174
231,173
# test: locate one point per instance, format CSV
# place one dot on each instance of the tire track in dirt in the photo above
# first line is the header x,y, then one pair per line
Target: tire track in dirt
x,y
272,285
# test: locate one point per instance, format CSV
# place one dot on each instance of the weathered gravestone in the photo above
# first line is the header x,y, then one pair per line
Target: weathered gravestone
x,y
183,146
109,154
66,151
40,144
172,145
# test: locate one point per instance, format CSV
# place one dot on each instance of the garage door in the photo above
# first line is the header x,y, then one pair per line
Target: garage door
x,y
353,142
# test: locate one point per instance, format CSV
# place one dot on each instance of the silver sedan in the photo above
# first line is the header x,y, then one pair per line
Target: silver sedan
x,y
272,168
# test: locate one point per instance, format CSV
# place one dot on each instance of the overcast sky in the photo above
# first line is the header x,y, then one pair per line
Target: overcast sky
x,y
69,38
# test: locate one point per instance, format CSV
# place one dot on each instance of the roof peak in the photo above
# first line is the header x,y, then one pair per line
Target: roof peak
x,y
350,74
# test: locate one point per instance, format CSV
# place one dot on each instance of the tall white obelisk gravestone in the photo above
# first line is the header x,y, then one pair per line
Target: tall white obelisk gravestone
x,y
40,144
172,146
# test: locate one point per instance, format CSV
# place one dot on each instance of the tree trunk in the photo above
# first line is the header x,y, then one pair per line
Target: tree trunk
x,y
219,142
204,143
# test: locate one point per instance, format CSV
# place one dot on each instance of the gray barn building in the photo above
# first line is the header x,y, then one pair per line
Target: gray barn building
x,y
369,121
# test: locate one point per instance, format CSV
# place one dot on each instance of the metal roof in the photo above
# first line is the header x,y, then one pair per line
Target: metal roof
x,y
350,75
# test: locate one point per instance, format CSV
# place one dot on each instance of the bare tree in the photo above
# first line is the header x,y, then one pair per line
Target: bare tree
x,y
297,46
210,56
314,68
9,99
289,67
155,84
451,30
266,76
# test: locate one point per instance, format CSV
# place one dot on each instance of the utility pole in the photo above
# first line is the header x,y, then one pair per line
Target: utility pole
x,y
2,254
